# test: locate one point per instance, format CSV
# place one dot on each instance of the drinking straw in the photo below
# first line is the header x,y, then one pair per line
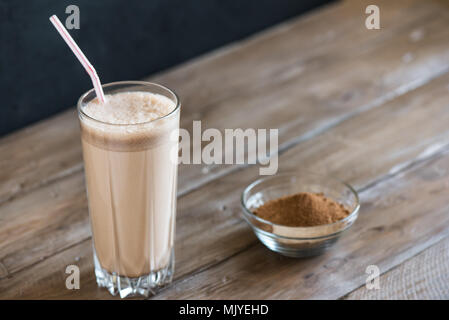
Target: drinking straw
x,y
80,55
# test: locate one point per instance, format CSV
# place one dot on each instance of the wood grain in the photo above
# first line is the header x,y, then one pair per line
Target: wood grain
x,y
397,221
261,76
358,104
362,150
43,222
47,278
423,277
50,151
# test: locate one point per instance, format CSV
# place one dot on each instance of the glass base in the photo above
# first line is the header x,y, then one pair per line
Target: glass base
x,y
129,287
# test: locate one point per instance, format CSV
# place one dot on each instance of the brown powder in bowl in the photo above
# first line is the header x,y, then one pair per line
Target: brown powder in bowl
x,y
302,210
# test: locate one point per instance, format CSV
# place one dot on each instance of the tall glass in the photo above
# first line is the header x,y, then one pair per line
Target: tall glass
x,y
131,180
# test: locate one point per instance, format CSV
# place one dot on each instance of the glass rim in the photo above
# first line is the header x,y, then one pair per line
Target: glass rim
x,y
249,213
129,82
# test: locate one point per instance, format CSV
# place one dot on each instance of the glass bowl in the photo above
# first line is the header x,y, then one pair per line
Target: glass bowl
x,y
298,241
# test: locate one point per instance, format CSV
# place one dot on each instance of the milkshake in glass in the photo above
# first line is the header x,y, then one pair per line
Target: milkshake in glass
x,y
131,177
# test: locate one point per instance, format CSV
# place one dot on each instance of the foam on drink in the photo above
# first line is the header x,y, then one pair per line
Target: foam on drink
x,y
130,108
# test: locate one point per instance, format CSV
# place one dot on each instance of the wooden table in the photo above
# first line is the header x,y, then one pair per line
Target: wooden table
x,y
368,106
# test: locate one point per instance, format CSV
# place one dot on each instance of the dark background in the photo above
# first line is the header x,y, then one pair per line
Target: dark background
x,y
123,39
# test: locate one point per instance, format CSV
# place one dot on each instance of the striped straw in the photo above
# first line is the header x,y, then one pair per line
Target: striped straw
x,y
80,55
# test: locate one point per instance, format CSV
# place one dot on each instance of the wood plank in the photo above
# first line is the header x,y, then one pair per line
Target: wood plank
x,y
397,220
38,155
423,277
43,222
282,50
267,71
47,279
360,150
41,159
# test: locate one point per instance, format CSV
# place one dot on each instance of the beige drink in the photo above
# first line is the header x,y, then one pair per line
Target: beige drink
x,y
131,176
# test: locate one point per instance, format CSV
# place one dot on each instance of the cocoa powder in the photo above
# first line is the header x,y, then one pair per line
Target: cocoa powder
x,y
302,210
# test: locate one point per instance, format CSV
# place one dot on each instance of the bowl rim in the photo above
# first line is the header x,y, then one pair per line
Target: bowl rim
x,y
351,217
